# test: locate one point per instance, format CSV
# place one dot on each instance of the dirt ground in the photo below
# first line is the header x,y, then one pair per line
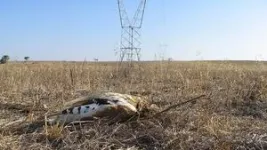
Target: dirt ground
x,y
232,115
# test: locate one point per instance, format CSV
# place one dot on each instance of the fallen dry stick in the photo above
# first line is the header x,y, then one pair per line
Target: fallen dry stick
x,y
179,104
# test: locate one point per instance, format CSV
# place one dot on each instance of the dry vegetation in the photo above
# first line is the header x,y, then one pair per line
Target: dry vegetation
x,y
233,116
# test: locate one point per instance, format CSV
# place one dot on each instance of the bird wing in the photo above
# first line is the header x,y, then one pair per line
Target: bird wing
x,y
75,106
100,98
91,99
78,102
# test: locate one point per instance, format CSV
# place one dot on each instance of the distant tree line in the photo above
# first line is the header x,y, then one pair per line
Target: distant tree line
x,y
6,58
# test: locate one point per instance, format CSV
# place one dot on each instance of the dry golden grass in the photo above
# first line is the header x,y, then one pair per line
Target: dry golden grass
x,y
233,116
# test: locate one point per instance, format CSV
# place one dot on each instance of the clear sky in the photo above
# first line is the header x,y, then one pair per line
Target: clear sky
x,y
191,29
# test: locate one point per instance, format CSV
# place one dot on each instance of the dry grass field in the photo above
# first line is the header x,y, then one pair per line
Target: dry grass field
x,y
232,115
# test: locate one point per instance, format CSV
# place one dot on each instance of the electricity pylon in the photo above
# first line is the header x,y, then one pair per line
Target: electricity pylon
x,y
130,32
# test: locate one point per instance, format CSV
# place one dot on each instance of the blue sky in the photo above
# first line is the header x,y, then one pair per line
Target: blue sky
x,y
87,29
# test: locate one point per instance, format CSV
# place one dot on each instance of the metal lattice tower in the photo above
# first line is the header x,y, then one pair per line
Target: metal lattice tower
x,y
130,32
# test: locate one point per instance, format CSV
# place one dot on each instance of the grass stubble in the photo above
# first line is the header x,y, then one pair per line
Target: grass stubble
x,y
233,116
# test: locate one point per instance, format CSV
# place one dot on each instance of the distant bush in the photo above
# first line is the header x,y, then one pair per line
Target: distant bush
x,y
4,59
26,58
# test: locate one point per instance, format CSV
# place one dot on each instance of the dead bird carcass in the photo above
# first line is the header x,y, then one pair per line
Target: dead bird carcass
x,y
110,105
115,107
